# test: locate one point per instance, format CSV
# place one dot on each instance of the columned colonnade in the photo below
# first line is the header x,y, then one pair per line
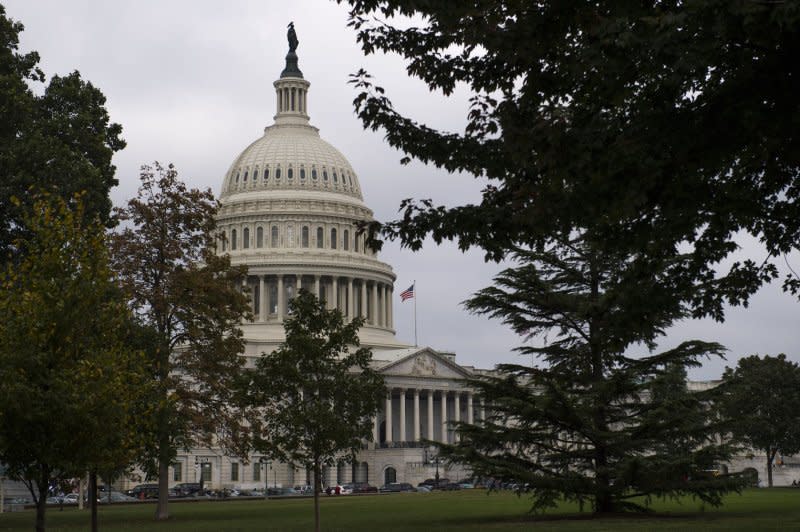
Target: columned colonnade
x,y
406,420
353,296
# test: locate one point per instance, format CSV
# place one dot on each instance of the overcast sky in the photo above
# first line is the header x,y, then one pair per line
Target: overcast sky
x,y
191,84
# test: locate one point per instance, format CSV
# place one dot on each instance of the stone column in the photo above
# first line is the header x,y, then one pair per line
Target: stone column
x,y
364,298
416,414
375,303
281,298
403,415
457,408
444,417
316,286
390,308
298,284
470,415
483,412
335,287
388,416
350,311
376,431
430,415
262,299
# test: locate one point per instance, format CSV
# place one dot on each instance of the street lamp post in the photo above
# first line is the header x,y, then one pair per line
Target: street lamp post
x,y
265,462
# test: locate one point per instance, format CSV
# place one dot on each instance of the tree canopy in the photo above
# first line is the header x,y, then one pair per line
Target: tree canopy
x,y
675,120
762,402
60,141
70,385
316,397
189,304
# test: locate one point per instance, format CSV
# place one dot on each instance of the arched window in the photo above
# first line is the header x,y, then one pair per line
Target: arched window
x,y
233,239
245,238
355,243
260,237
333,238
313,173
335,179
346,241
223,241
266,173
274,236
324,174
302,173
390,475
320,237
244,180
304,237
290,236
289,173
278,173
255,175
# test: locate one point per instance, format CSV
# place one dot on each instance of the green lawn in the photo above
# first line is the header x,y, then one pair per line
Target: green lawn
x,y
759,510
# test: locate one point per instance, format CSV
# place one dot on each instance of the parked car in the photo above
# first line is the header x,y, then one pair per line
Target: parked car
x,y
397,487
364,487
144,491
70,498
186,489
116,496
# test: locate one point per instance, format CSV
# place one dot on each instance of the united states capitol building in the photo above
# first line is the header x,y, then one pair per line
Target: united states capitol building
x,y
290,206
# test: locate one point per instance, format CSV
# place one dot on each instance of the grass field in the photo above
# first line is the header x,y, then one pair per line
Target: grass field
x,y
469,510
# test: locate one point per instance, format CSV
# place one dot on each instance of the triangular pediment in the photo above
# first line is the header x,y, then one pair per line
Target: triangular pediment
x,y
426,363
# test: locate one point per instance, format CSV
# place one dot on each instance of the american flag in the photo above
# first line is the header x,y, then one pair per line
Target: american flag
x,y
408,293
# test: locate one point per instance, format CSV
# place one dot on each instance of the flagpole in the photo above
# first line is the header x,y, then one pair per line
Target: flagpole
x,y
415,313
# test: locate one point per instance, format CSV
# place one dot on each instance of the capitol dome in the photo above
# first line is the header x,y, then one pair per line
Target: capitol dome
x,y
291,205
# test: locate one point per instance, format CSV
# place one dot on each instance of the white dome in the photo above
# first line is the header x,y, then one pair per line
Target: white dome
x,y
291,156
291,210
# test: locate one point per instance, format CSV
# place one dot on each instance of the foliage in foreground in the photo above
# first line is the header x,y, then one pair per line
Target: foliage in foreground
x,y
761,397
58,139
590,423
70,387
188,304
316,397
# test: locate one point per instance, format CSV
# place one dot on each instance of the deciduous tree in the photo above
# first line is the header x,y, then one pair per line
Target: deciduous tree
x,y
762,400
69,384
317,398
189,301
60,141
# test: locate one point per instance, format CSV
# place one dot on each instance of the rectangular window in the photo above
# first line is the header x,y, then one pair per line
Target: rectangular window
x,y
205,472
256,471
177,472
234,472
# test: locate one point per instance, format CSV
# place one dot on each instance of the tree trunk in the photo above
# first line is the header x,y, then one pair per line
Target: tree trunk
x,y
162,508
93,498
42,486
770,457
317,489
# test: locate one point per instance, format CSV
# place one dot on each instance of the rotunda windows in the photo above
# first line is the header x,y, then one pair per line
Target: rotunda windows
x,y
304,237
324,174
244,179
290,236
289,172
245,238
233,239
320,237
266,173
314,173
260,237
302,173
335,179
278,173
346,240
333,238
